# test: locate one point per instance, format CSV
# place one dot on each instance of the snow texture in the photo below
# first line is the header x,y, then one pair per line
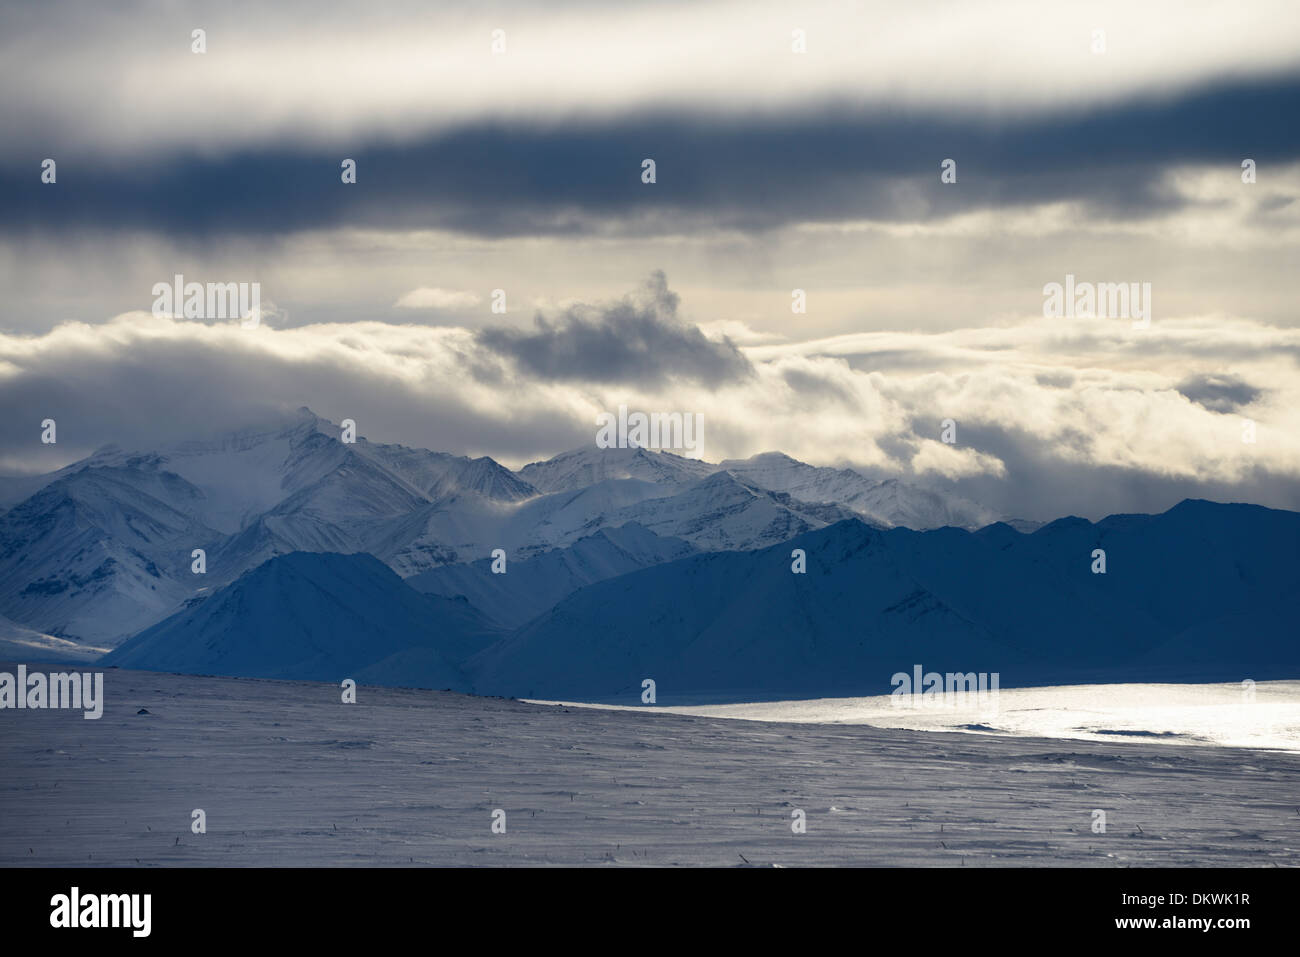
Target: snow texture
x,y
289,775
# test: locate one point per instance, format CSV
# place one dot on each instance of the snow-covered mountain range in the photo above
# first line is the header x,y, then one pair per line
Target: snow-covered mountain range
x,y
102,549
1204,591
1201,592
583,575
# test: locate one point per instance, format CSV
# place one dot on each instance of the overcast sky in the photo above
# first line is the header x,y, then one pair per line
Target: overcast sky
x,y
1100,140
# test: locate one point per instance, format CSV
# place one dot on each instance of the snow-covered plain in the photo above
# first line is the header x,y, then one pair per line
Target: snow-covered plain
x,y
1264,715
289,775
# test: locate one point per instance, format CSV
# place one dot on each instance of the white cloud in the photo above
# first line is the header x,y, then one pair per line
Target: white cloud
x,y
340,73
1047,416
737,331
954,462
427,297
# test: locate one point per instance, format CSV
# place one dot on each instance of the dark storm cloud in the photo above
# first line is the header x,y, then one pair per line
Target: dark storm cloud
x,y
149,391
637,340
748,173
1044,484
1219,393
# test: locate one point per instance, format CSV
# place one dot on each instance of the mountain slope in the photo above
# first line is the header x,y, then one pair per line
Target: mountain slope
x,y
102,547
888,502
528,588
315,616
468,528
723,513
1196,593
580,468
1220,579
883,502
249,472
100,553
741,623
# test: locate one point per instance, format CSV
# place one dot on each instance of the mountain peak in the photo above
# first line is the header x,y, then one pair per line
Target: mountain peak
x,y
590,464
764,458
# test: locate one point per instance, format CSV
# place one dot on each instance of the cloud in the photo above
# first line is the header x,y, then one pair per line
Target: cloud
x,y
1215,252
829,164
953,462
1219,393
776,171
261,79
1052,417
638,340
740,333
427,297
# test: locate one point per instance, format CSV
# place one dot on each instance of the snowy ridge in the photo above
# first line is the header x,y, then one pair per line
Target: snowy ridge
x,y
100,553
875,602
888,502
580,468
741,625
531,587
101,549
316,616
